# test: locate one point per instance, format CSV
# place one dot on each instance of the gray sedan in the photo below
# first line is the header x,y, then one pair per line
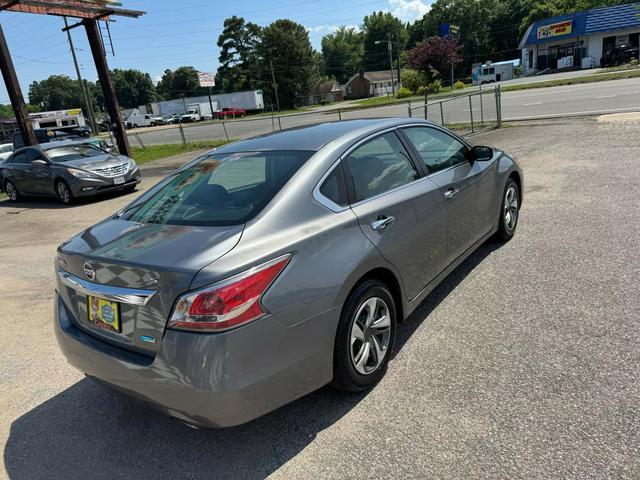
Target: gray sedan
x,y
66,169
270,267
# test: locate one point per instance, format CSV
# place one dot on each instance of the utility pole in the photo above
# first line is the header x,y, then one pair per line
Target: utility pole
x,y
110,99
83,88
15,93
275,86
390,48
398,50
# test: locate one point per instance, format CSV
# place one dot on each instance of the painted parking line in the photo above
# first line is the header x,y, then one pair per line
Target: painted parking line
x,y
531,104
606,96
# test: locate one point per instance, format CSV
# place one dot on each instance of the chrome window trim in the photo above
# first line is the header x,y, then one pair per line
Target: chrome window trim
x,y
326,202
131,296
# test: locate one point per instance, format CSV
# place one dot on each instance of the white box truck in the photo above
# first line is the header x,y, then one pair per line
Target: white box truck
x,y
202,110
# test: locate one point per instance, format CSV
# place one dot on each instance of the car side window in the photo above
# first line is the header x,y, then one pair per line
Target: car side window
x,y
333,188
20,157
437,149
32,154
380,165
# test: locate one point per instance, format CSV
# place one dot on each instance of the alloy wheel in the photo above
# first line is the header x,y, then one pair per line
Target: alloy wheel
x,y
370,335
63,192
11,191
511,208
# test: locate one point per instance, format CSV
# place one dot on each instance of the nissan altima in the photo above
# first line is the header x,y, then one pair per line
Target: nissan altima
x,y
270,267
67,170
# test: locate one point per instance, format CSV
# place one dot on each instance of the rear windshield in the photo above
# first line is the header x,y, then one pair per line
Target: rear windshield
x,y
75,152
220,189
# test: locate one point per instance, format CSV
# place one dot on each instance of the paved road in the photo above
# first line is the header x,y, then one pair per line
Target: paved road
x,y
593,98
524,363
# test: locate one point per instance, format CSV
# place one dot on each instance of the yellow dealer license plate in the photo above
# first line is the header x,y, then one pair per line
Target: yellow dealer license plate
x,y
104,314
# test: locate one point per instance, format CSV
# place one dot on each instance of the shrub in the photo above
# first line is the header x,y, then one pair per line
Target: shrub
x,y
458,85
634,62
421,90
403,93
434,87
411,79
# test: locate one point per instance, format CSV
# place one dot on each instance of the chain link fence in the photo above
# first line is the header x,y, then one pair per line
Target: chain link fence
x,y
466,113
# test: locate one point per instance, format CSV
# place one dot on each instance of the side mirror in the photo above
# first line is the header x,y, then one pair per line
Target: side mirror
x,y
479,154
39,163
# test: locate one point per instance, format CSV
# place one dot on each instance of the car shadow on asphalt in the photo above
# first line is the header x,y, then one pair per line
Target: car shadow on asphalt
x,y
88,431
46,203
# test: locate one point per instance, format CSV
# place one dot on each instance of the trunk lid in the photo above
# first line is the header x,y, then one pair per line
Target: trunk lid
x,y
162,259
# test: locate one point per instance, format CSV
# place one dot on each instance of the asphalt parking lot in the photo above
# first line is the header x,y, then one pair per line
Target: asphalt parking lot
x,y
524,363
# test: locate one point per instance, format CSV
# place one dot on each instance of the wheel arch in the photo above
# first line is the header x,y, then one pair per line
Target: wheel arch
x,y
518,179
389,278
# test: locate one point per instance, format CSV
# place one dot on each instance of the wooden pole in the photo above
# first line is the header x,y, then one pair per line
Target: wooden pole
x,y
110,99
15,93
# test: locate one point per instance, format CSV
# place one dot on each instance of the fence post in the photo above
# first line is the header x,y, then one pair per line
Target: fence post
x,y
339,115
442,114
409,109
481,111
184,140
273,123
279,123
139,140
499,105
471,113
226,134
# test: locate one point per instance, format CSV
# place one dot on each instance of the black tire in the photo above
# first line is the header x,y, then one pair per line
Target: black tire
x,y
64,192
507,226
346,375
12,192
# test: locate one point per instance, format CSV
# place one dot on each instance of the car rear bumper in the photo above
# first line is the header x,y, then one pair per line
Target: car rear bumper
x,y
211,380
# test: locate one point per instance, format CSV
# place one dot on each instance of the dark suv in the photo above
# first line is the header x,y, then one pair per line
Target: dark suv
x,y
619,56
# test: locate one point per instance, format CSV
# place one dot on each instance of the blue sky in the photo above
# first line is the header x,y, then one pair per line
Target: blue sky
x,y
174,33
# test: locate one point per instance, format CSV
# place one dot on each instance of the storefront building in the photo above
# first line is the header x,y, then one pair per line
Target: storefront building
x,y
581,40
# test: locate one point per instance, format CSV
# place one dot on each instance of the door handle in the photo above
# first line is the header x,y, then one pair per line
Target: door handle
x,y
452,192
382,223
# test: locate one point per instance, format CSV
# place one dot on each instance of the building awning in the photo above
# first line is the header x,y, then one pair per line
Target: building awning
x,y
587,22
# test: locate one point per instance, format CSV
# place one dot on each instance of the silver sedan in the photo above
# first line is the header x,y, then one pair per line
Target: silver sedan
x,y
266,269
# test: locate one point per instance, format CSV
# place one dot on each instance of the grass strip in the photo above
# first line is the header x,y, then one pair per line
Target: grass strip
x,y
155,152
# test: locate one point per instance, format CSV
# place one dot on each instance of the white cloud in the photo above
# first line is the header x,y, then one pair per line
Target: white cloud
x,y
408,10
323,29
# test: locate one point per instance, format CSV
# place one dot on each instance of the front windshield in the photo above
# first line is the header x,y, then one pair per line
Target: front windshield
x,y
220,189
73,152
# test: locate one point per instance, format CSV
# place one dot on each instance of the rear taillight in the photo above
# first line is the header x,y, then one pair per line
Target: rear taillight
x,y
227,304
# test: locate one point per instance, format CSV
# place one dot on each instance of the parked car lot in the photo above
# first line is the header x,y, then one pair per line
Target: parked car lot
x,y
523,363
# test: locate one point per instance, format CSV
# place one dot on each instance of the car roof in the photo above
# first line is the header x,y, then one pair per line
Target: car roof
x,y
314,137
59,143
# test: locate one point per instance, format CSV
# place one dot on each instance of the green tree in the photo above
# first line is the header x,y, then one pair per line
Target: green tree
x,y
376,28
164,88
238,54
182,82
342,52
133,87
58,92
285,43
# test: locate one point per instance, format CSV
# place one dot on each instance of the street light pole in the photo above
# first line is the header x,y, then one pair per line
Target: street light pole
x,y
390,48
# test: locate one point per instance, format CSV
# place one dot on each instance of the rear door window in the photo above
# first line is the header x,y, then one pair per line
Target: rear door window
x,y
220,189
379,165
